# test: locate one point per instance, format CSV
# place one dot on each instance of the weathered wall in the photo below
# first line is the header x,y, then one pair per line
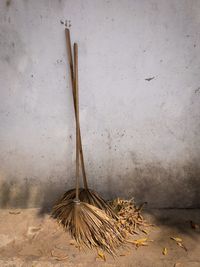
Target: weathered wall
x,y
141,137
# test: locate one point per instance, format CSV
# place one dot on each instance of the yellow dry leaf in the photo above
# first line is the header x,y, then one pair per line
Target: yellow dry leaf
x,y
138,241
181,245
177,239
101,255
164,252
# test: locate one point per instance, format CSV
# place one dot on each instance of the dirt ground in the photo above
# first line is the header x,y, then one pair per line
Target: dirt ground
x,y
28,238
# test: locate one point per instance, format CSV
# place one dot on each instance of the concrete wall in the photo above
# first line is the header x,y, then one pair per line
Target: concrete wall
x,y
141,137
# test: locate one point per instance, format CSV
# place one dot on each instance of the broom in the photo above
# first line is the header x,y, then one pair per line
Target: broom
x,y
89,225
85,194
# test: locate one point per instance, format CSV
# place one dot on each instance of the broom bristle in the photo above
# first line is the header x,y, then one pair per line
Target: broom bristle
x,y
90,197
88,225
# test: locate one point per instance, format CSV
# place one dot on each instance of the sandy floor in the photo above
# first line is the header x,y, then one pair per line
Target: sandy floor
x,y
30,239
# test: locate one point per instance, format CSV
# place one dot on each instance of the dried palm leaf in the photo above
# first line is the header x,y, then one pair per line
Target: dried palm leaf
x,y
88,225
129,216
90,197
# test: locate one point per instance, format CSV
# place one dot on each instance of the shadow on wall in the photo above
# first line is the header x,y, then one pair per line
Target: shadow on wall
x,y
31,193
174,187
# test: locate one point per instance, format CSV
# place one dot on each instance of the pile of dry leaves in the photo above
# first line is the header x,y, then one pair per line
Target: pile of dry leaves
x,y
130,217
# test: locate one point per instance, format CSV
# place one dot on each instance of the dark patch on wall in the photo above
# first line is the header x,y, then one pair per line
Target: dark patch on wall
x,y
12,47
177,186
14,195
149,79
197,90
8,3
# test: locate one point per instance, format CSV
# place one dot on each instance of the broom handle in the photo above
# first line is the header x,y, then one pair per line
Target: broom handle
x,y
69,50
77,118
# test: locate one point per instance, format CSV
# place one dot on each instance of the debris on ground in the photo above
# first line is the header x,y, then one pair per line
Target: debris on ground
x,y
51,244
164,252
179,241
140,242
14,212
101,255
33,231
58,256
130,217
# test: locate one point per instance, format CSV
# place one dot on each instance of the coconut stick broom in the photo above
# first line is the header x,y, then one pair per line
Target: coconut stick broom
x,y
85,194
89,225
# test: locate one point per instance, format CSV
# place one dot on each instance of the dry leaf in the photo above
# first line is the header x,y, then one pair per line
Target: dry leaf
x,y
130,218
14,212
140,242
164,252
58,257
137,241
179,242
101,255
182,246
177,239
177,264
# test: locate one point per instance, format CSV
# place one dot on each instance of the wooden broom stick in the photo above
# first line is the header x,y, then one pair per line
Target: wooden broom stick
x,y
69,51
